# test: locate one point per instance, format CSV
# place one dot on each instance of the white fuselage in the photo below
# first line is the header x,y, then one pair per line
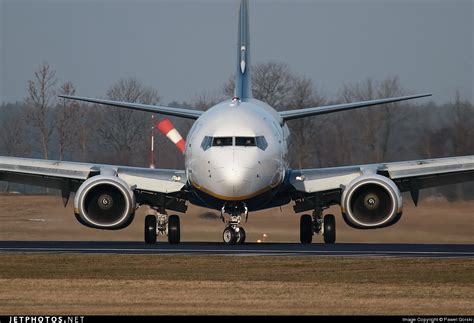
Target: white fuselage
x,y
223,161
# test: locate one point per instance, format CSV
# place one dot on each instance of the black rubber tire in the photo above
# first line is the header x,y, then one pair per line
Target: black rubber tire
x,y
306,228
241,235
174,229
150,229
229,236
329,229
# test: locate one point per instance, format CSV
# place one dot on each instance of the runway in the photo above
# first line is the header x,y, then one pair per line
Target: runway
x,y
249,249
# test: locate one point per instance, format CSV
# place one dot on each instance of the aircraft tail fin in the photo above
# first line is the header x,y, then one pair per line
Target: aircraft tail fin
x,y
243,81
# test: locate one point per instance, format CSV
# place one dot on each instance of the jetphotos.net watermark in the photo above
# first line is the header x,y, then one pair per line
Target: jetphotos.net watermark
x,y
45,319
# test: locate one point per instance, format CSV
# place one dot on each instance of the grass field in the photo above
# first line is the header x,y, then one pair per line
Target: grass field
x,y
126,284
44,218
157,284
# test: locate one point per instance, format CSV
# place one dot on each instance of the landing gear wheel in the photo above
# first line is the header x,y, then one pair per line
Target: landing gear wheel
x,y
241,236
150,229
306,228
174,230
329,228
229,236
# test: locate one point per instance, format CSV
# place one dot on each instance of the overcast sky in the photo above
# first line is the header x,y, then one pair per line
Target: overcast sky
x,y
183,48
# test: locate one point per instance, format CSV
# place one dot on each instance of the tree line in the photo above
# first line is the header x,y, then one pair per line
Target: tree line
x,y
44,126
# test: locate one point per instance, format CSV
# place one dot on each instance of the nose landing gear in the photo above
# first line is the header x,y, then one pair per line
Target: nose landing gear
x,y
233,233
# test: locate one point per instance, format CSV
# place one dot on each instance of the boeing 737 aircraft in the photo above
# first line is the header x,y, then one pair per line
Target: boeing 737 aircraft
x,y
236,161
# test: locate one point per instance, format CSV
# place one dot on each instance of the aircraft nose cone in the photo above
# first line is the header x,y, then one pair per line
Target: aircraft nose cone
x,y
234,176
234,181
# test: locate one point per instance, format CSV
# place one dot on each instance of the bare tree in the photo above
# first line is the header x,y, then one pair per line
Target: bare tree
x,y
228,87
40,99
306,132
87,119
372,128
271,83
123,133
462,126
433,142
461,130
206,100
390,113
65,123
13,135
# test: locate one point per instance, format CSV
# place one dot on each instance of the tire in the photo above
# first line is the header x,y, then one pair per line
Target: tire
x,y
229,236
150,229
329,229
174,230
306,228
241,236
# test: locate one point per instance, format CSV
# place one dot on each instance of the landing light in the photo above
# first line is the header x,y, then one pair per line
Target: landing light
x,y
264,236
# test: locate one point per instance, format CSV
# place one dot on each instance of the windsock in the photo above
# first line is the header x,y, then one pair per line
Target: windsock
x,y
166,127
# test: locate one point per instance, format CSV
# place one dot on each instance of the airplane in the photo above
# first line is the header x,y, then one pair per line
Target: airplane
x,y
236,162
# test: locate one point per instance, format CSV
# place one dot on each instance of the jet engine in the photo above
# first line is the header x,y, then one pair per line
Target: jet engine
x,y
104,202
371,201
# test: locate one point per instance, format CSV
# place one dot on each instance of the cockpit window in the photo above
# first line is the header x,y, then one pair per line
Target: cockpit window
x,y
245,141
206,143
209,142
222,141
261,142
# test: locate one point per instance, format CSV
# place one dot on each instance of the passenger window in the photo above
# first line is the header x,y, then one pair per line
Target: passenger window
x,y
245,141
261,142
222,141
206,143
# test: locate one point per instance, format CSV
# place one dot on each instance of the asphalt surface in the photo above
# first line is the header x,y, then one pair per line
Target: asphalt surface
x,y
249,249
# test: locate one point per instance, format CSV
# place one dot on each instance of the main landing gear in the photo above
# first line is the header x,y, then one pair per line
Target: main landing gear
x,y
159,223
316,224
233,233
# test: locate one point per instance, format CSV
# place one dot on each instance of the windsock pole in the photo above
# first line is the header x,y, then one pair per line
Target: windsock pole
x,y
152,148
168,129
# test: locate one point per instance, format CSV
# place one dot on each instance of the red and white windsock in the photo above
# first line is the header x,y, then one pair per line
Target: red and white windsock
x,y
166,127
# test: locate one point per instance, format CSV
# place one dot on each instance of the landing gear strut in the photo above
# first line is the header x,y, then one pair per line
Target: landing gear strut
x,y
159,223
317,224
233,233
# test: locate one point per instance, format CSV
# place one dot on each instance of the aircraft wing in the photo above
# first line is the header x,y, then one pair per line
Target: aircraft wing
x,y
408,175
68,176
176,112
301,113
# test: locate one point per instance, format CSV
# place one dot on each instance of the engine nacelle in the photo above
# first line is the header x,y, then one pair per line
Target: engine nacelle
x,y
371,201
104,202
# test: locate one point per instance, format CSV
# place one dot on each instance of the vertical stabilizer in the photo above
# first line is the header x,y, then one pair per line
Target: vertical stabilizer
x,y
243,82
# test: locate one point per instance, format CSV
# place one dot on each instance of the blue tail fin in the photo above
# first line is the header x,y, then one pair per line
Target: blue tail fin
x,y
243,82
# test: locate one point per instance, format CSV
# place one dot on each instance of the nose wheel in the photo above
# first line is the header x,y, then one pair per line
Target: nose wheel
x,y
233,236
233,233
229,236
